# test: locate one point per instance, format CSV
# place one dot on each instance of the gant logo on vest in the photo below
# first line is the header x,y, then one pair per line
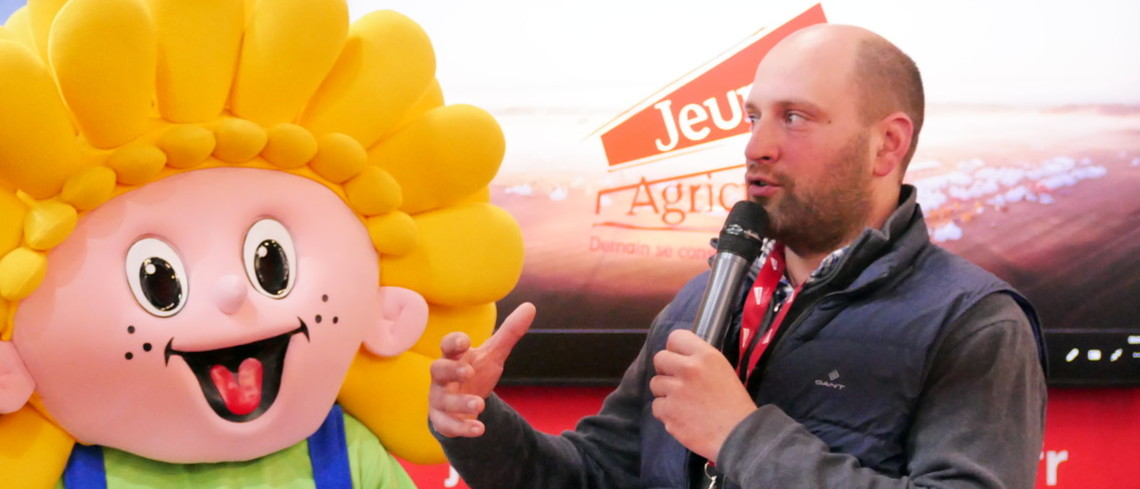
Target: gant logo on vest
x,y
831,381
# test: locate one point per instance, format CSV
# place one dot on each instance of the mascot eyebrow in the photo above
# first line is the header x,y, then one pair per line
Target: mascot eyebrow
x,y
356,108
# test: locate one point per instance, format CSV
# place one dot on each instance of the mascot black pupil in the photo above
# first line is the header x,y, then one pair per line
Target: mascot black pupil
x,y
271,267
160,284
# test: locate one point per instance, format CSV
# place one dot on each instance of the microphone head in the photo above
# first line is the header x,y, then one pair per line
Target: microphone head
x,y
744,230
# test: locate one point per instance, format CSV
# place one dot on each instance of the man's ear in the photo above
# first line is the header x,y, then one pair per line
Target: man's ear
x,y
403,317
897,131
16,384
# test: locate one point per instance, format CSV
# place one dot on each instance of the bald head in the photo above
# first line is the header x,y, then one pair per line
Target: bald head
x,y
884,79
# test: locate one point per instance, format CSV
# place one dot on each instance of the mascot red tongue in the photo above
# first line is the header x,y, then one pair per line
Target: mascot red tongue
x,y
241,394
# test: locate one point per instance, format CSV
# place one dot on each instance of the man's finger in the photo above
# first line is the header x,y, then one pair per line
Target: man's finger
x,y
661,385
666,362
458,405
659,409
498,347
685,342
452,427
454,345
444,371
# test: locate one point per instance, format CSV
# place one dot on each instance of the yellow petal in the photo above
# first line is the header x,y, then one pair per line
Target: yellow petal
x,y
431,99
34,451
186,146
482,195
41,14
477,321
287,50
11,223
289,146
198,42
238,140
373,192
39,149
48,223
393,233
21,271
442,157
136,163
89,188
338,158
18,30
467,255
103,53
387,65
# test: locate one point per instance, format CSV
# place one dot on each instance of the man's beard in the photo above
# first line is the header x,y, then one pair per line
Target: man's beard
x,y
823,217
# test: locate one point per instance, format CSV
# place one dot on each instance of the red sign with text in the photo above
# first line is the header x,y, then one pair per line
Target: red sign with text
x,y
688,116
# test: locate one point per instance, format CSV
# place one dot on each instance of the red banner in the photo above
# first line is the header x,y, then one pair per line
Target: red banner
x,y
1090,434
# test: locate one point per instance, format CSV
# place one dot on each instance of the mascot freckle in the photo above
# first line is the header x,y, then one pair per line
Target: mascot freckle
x,y
232,233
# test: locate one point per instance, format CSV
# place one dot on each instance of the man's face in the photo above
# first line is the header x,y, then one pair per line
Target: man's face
x,y
808,158
208,316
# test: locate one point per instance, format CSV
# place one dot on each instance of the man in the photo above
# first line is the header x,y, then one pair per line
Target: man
x,y
863,357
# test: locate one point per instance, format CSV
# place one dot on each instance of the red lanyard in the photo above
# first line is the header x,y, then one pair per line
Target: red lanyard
x,y
756,305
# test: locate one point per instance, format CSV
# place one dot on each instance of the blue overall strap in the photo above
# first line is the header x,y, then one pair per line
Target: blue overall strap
x,y
328,452
85,468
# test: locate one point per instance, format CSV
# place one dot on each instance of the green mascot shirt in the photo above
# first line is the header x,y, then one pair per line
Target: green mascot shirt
x,y
370,466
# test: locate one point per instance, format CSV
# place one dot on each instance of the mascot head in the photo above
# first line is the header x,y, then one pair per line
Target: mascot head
x,y
220,217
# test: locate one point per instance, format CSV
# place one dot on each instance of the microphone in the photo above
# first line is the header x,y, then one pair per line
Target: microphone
x,y
736,248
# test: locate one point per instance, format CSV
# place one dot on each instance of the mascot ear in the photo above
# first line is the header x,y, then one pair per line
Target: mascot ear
x,y
403,319
16,383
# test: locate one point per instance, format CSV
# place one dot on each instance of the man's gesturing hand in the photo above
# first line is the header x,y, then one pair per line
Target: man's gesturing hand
x,y
463,377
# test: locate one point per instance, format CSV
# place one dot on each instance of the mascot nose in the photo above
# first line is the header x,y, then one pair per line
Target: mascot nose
x,y
229,293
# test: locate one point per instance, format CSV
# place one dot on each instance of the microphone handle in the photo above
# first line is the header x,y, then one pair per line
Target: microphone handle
x,y
725,282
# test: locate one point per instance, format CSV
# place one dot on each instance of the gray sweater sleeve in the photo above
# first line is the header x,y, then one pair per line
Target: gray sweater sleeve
x,y
602,452
979,422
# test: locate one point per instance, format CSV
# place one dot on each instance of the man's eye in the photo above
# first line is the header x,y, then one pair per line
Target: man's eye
x,y
793,118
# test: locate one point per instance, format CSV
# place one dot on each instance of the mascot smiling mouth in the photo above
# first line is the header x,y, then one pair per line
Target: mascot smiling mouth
x,y
241,382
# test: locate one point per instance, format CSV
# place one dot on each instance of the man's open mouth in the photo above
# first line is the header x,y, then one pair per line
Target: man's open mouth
x,y
760,181
241,382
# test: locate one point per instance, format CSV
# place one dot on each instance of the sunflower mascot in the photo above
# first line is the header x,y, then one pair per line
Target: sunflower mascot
x,y
232,233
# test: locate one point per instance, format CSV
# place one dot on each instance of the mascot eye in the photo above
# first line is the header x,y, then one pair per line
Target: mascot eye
x,y
270,261
156,277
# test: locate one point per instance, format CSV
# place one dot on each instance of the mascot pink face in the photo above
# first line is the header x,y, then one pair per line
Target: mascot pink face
x,y
209,316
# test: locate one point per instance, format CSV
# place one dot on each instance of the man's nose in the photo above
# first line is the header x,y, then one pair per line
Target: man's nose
x,y
761,146
229,293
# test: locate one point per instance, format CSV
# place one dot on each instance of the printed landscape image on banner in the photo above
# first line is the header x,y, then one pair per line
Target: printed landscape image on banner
x,y
625,151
